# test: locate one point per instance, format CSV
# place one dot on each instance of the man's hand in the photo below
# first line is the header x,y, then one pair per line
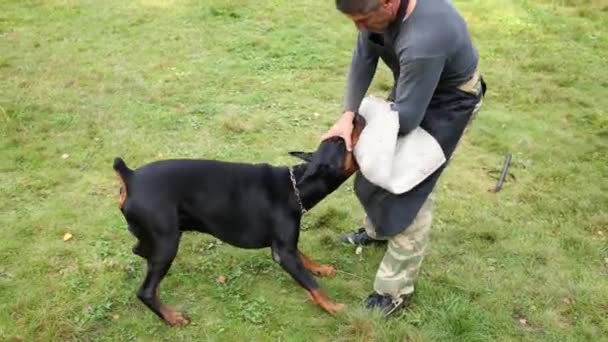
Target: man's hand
x,y
342,128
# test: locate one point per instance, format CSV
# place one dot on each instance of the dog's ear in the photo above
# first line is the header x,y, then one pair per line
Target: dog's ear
x,y
312,168
305,156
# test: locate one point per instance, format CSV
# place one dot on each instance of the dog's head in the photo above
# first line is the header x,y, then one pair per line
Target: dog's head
x,y
331,160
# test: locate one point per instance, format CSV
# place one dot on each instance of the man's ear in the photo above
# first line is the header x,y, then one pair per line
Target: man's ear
x,y
305,156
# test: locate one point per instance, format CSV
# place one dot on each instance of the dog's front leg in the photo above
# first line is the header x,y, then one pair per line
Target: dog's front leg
x,y
289,258
312,266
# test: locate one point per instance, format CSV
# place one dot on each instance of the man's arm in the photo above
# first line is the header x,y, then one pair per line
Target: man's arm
x,y
362,71
417,81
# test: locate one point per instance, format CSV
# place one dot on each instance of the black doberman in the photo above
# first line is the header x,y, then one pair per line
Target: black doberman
x,y
244,205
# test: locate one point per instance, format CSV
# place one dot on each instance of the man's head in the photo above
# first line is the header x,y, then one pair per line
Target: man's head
x,y
370,15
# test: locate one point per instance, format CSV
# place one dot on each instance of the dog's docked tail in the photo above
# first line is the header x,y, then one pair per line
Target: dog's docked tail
x,y
124,174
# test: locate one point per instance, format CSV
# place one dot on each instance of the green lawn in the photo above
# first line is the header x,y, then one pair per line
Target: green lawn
x,y
84,81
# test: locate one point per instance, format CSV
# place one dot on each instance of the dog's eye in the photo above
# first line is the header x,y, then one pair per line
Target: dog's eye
x,y
329,169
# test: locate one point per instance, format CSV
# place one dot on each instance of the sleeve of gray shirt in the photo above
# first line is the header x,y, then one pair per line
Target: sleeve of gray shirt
x,y
360,75
418,78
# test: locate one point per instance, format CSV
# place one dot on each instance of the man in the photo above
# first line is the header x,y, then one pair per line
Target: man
x,y
427,46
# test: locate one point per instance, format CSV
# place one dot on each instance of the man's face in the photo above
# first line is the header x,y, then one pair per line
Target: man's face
x,y
376,20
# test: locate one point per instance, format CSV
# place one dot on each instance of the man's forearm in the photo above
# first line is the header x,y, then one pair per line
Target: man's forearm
x,y
359,79
409,121
360,75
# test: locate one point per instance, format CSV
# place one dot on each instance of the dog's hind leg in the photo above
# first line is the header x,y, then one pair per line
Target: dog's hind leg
x,y
163,249
142,247
288,257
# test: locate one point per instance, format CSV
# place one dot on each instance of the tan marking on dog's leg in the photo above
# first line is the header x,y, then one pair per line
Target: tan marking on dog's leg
x,y
172,317
324,302
312,266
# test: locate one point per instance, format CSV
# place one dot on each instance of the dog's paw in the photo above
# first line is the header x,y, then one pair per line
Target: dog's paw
x,y
324,302
174,318
333,308
326,271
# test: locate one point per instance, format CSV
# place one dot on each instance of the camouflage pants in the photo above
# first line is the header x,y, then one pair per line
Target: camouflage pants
x,y
400,266
405,251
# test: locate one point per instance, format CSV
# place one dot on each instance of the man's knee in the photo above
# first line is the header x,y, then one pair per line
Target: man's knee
x,y
424,217
414,238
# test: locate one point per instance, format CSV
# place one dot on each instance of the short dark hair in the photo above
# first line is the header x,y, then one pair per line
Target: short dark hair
x,y
357,6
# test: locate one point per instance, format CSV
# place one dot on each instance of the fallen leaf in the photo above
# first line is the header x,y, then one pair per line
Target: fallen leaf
x,y
359,250
6,275
523,321
221,279
115,317
67,236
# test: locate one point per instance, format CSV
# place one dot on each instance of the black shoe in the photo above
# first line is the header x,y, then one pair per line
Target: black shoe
x,y
359,237
386,304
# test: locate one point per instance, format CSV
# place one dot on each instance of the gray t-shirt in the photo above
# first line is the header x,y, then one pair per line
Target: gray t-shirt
x,y
429,50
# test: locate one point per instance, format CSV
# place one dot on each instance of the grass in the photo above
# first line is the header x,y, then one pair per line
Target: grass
x,y
84,81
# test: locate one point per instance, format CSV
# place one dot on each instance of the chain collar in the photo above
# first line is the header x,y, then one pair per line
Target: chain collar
x,y
296,191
